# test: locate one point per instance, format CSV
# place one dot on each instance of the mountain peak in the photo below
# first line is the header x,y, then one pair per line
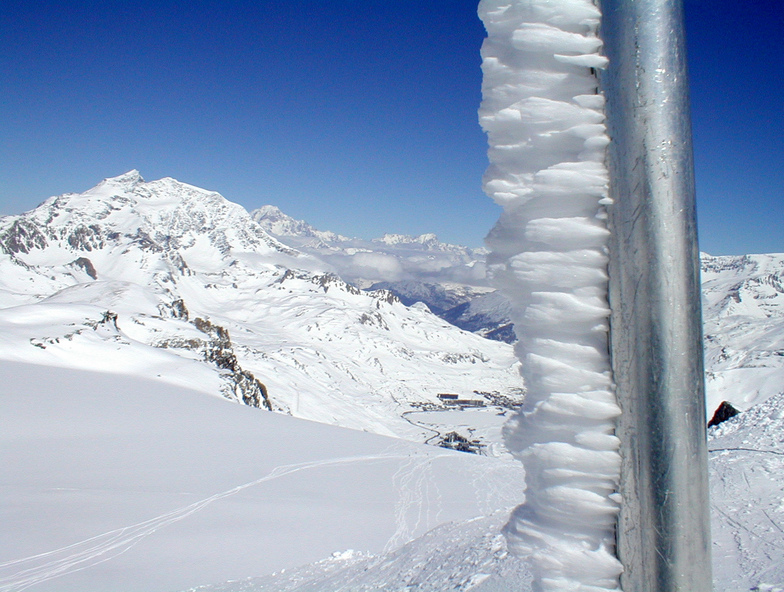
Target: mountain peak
x,y
132,177
274,221
164,216
270,212
427,240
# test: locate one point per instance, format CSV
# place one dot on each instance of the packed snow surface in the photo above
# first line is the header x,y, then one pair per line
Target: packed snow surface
x,y
544,121
746,459
115,482
747,515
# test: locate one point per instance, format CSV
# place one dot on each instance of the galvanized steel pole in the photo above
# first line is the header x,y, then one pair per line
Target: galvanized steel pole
x,y
656,322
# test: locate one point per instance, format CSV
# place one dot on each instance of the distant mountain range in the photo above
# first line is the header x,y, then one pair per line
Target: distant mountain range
x,y
449,279
743,300
266,309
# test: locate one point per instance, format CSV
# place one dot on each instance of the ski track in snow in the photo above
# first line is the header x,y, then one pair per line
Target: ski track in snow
x,y
412,478
413,481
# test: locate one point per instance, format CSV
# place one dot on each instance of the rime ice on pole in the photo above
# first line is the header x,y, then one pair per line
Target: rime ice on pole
x,y
544,120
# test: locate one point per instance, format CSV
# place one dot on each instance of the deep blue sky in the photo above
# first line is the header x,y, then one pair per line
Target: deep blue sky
x,y
358,116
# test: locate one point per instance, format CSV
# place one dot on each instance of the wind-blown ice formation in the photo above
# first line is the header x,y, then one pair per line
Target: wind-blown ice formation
x,y
544,117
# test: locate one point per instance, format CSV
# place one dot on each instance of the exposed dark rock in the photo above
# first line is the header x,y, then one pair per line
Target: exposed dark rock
x,y
505,333
243,385
723,413
86,238
330,279
179,310
87,265
178,262
384,295
373,320
145,241
21,237
455,441
179,343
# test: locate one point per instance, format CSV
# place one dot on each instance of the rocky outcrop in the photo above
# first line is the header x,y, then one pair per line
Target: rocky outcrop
x,y
22,236
242,384
722,414
85,265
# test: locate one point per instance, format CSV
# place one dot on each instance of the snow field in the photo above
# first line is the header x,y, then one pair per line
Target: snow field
x,y
116,482
544,120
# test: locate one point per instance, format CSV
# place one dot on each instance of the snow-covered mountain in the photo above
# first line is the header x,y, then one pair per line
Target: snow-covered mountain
x,y
449,279
391,258
743,312
176,283
743,306
297,233
131,303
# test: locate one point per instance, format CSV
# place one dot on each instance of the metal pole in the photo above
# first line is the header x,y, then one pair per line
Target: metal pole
x,y
656,325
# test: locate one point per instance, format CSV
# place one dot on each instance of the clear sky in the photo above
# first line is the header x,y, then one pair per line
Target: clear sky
x,y
357,116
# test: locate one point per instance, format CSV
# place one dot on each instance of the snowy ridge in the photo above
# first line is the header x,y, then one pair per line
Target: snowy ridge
x,y
275,222
544,119
391,258
743,312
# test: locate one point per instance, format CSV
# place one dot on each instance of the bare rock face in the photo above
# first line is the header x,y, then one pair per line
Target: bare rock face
x,y
242,384
87,266
723,413
22,236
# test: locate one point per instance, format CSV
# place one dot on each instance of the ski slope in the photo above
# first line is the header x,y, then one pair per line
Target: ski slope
x,y
114,482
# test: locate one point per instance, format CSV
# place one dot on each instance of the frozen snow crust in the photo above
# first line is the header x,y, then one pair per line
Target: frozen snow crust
x,y
544,119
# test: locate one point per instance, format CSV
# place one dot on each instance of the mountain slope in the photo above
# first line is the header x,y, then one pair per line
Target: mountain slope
x,y
176,281
743,307
449,279
114,482
743,312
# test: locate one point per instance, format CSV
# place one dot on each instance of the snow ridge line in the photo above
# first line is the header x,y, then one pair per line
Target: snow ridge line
x,y
111,544
544,118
